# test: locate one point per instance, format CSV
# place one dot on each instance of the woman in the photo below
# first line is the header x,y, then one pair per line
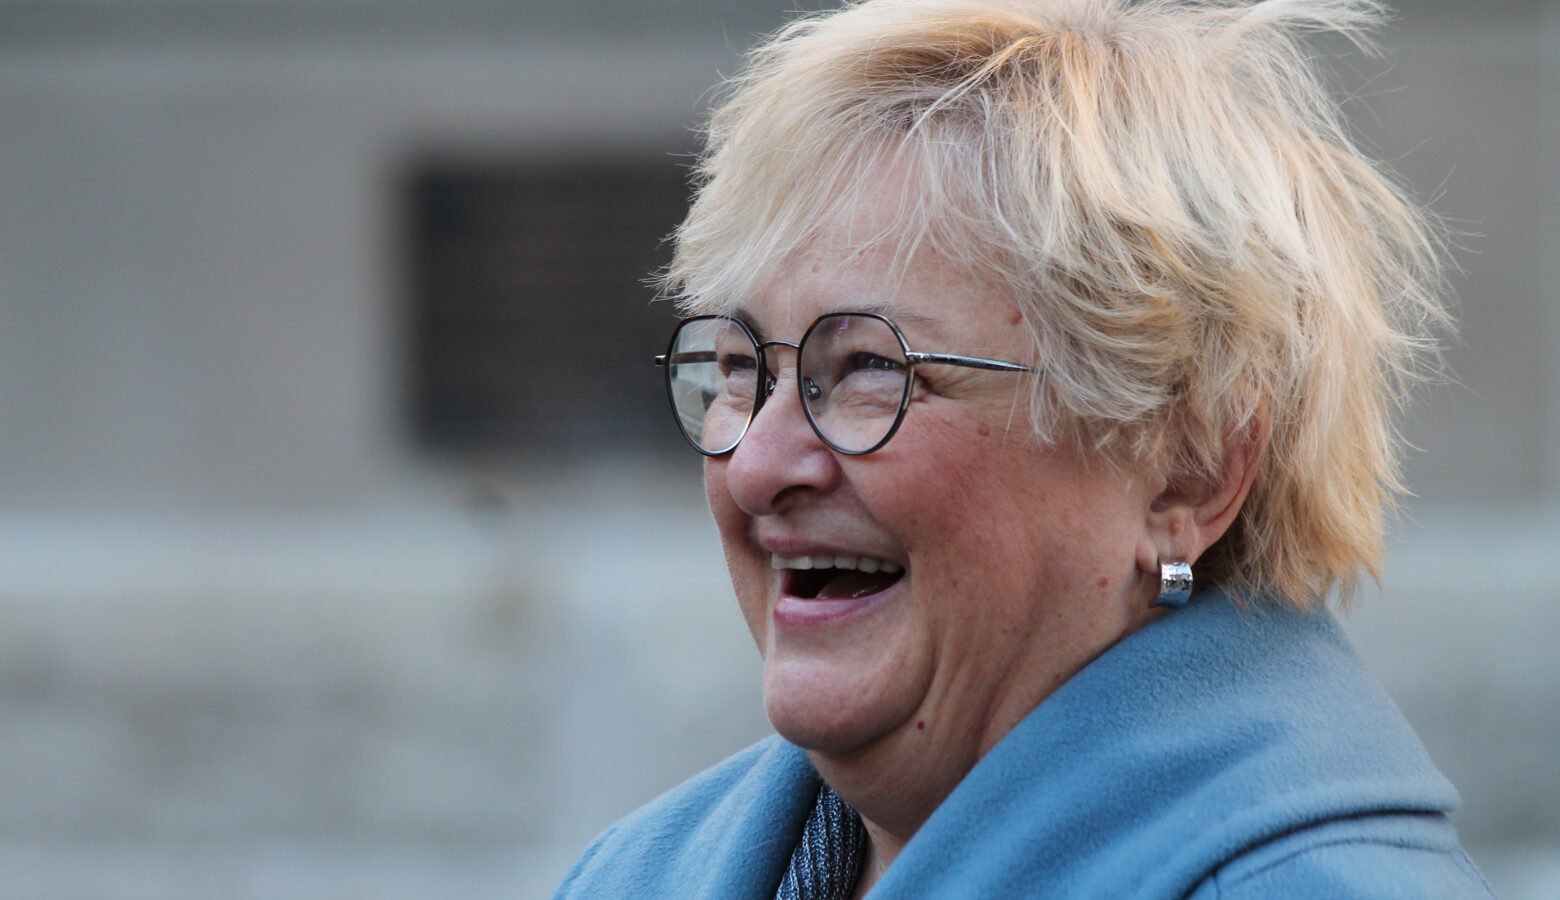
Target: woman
x,y
1007,317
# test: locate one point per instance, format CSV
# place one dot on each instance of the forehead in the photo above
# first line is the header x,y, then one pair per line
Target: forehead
x,y
882,244
859,264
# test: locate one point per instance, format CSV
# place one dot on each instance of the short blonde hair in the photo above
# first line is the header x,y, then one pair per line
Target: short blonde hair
x,y
1169,191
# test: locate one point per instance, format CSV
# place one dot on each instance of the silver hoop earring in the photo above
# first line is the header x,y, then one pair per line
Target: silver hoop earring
x,y
1175,584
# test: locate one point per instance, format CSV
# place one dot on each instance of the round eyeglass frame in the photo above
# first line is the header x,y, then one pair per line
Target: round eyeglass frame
x,y
767,382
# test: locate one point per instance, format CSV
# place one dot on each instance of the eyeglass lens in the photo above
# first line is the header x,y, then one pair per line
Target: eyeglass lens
x,y
851,370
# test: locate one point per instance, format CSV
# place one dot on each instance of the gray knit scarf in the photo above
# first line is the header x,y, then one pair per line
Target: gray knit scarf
x,y
827,859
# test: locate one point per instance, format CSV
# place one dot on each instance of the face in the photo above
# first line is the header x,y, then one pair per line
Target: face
x,y
1017,562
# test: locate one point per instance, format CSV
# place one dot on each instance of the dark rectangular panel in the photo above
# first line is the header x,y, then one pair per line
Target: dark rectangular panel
x,y
532,327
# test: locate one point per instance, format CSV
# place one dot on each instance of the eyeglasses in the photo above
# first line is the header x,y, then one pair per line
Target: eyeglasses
x,y
854,372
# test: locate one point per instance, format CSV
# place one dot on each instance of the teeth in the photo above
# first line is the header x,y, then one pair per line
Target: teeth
x,y
863,563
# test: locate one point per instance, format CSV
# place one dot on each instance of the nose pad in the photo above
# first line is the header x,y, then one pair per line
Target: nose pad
x,y
770,386
771,376
810,392
781,459
810,388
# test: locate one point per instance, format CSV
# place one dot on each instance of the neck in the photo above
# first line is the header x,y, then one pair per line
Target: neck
x,y
897,782
892,802
881,850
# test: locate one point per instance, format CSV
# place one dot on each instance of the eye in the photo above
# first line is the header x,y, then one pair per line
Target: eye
x,y
737,362
864,361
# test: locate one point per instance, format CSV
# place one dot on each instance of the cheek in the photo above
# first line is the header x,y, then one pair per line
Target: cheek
x,y
715,491
960,513
997,517
729,517
746,569
977,478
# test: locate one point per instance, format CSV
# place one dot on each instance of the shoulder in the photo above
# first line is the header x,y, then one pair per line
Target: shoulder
x,y
1214,748
1384,856
723,829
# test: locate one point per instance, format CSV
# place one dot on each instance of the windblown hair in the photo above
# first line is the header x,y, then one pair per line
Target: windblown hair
x,y
1170,193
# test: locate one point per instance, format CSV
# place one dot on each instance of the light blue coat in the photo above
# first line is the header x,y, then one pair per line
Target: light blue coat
x,y
1212,754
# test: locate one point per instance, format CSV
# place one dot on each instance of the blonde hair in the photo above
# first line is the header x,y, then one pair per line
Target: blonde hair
x,y
1169,191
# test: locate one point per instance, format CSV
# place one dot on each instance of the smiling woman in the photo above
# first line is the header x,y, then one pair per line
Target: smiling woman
x,y
1007,315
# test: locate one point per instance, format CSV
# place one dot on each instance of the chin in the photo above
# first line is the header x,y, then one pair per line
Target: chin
x,y
837,709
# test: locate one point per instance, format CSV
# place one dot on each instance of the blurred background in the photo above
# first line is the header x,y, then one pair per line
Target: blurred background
x,y
346,547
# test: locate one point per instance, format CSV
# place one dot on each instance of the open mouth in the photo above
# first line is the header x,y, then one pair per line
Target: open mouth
x,y
835,577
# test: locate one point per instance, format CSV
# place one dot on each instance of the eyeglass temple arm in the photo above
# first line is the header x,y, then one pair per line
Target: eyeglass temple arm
x,y
968,362
942,359
683,359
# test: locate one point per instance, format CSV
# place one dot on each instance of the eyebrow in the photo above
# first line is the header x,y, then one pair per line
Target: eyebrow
x,y
899,317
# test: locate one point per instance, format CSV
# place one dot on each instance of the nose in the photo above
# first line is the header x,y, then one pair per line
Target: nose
x,y
781,458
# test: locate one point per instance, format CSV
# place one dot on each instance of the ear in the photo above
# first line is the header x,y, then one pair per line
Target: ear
x,y
1187,517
